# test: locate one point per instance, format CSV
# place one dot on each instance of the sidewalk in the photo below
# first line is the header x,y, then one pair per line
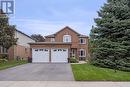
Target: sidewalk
x,y
62,84
80,62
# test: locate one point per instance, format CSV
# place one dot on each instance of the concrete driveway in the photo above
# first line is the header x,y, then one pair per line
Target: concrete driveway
x,y
38,72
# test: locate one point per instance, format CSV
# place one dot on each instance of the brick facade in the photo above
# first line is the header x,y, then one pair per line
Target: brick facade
x,y
75,45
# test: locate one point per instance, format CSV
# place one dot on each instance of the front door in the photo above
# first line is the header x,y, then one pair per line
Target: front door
x,y
73,52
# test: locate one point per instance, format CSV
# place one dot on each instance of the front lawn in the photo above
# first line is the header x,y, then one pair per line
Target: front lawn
x,y
11,64
87,72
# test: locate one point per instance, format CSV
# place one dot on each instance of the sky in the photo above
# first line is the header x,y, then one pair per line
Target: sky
x,y
49,16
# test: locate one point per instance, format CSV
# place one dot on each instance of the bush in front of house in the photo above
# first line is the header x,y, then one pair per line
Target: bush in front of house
x,y
3,58
73,60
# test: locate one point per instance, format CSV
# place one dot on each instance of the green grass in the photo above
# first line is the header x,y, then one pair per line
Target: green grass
x,y
87,72
11,64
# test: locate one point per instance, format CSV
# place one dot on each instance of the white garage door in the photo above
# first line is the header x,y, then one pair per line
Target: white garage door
x,y
59,55
40,55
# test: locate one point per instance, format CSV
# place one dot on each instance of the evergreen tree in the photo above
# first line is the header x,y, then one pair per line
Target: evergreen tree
x,y
111,36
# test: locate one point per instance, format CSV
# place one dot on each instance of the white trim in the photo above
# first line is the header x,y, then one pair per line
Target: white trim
x,y
65,37
84,52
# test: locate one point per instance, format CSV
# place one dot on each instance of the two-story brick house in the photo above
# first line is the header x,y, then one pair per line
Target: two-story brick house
x,y
60,46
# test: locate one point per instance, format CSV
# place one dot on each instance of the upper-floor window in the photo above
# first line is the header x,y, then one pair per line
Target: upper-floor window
x,y
66,38
52,39
82,41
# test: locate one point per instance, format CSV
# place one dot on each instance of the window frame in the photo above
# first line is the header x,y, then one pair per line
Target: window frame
x,y
52,39
84,51
84,40
65,37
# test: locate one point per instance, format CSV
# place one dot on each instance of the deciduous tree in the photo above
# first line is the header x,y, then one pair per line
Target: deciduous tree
x,y
7,33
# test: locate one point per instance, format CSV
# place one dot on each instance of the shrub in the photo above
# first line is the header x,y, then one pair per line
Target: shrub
x,y
3,60
123,68
3,56
73,60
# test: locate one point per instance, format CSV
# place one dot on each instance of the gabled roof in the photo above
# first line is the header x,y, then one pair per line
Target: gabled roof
x,y
23,33
67,27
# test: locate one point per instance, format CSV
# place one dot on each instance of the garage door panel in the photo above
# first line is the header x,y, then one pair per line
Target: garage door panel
x,y
40,55
59,55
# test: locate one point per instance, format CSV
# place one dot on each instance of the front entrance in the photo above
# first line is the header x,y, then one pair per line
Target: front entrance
x,y
73,52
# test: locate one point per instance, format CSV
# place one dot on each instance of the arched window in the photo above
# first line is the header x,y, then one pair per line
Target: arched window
x,y
67,38
82,53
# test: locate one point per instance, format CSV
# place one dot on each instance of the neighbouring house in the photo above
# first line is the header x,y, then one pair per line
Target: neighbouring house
x,y
60,46
21,50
